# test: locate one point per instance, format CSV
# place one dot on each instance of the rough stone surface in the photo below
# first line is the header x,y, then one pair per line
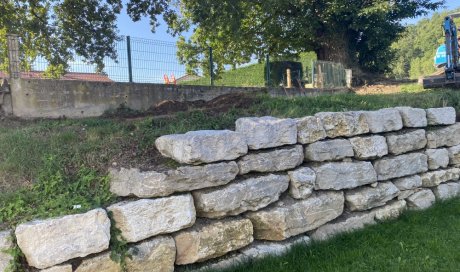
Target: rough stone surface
x,y
421,200
437,158
249,194
290,217
384,120
50,242
369,147
403,142
272,161
434,178
445,136
100,263
447,190
211,240
345,223
407,193
302,183
400,166
309,130
126,182
413,117
338,124
366,198
408,183
204,146
343,175
5,244
391,211
454,155
154,255
58,268
331,150
262,249
145,218
441,116
267,132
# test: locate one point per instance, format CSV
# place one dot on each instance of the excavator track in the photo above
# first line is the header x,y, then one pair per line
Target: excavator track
x,y
440,81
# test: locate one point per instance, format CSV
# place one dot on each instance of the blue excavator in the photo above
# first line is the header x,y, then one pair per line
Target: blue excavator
x,y
447,57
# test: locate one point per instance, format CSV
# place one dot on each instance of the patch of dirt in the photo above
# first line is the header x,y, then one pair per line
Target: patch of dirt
x,y
386,86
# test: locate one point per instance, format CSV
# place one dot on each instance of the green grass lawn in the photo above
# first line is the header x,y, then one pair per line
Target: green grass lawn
x,y
418,241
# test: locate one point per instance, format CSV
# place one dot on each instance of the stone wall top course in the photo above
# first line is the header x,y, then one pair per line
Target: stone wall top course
x,y
343,124
384,120
413,117
441,116
309,130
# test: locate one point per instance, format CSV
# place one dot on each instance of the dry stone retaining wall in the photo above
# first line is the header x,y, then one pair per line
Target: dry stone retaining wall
x,y
258,190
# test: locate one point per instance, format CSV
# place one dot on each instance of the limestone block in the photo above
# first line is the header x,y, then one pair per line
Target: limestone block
x,y
146,218
421,200
401,166
390,211
210,240
5,244
345,223
437,158
249,194
403,142
309,130
447,190
99,263
369,147
338,124
59,268
204,146
441,116
302,183
343,175
331,150
290,217
154,255
46,243
454,155
407,193
262,249
434,178
413,117
444,136
267,132
126,182
272,161
384,120
408,183
366,198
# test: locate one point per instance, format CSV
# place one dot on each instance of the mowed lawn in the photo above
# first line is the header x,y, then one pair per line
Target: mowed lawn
x,y
417,241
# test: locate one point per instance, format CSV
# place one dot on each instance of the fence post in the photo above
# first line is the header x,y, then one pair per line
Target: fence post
x,y
130,66
267,70
13,55
211,66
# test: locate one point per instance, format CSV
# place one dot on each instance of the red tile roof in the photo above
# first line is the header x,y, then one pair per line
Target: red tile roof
x,y
68,76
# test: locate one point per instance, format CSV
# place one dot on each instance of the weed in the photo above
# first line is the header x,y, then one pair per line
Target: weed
x,y
118,245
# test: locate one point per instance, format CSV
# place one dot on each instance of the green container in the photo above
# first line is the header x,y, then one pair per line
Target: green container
x,y
278,76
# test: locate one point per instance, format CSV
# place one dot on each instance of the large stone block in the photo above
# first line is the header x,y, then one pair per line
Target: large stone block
x,y
343,175
205,146
146,218
338,124
6,243
413,117
58,268
437,158
445,136
369,147
447,190
210,240
262,249
290,217
126,182
401,166
344,224
302,183
272,161
421,200
154,255
384,120
267,132
441,116
403,142
46,243
250,194
407,193
408,183
331,150
366,198
391,211
434,178
100,263
309,130
454,155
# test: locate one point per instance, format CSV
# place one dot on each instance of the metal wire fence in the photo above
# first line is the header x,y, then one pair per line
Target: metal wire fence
x,y
327,74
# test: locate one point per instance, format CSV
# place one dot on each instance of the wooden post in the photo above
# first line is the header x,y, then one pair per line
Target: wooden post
x,y
13,55
349,77
289,78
